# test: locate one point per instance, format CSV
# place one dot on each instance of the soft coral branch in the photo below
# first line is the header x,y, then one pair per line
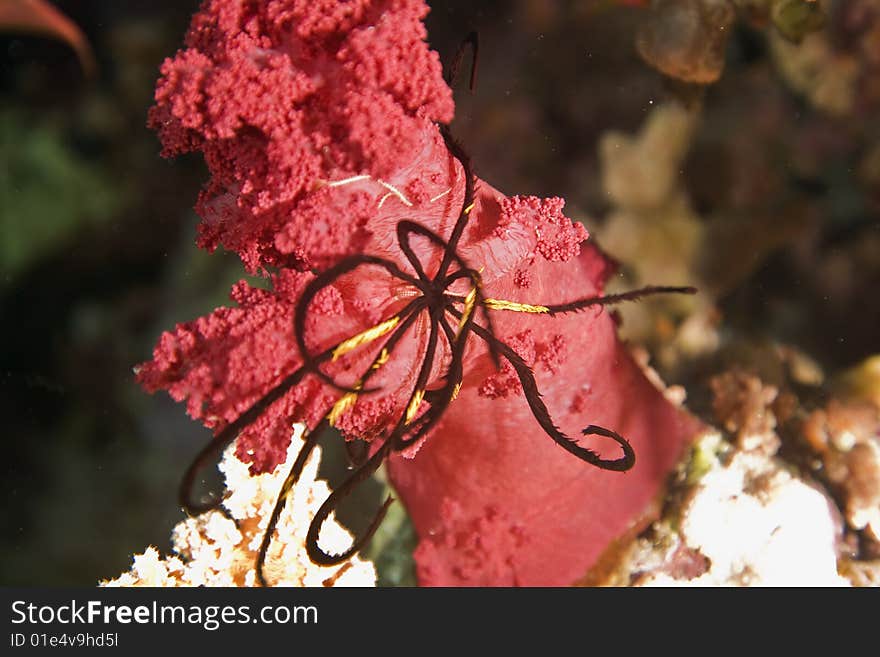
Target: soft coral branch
x,y
282,95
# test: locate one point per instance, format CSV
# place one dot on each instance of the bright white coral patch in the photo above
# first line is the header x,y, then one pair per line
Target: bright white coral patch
x,y
754,523
211,550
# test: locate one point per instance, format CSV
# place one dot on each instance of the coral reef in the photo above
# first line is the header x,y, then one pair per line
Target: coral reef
x,y
745,520
733,145
845,440
783,496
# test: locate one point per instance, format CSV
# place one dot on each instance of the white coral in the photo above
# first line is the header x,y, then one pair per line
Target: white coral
x,y
214,550
756,524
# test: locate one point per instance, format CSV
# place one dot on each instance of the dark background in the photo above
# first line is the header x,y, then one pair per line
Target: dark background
x,y
99,255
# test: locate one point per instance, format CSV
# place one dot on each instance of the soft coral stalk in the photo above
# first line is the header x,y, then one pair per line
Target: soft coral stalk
x,y
494,502
319,126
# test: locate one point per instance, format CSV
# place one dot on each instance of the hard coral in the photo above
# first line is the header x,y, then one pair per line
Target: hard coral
x,y
321,139
746,520
740,514
218,549
846,439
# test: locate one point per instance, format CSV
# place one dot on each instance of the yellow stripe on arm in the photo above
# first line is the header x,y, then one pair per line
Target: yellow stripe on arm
x,y
468,307
414,403
380,360
348,400
503,304
342,404
365,337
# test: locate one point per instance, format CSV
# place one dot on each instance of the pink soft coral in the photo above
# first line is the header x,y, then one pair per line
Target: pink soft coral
x,y
318,124
280,96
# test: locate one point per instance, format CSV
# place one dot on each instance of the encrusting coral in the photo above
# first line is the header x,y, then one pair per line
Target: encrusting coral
x,y
846,439
219,548
780,496
746,520
737,515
